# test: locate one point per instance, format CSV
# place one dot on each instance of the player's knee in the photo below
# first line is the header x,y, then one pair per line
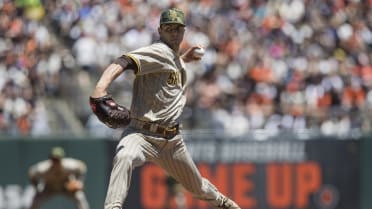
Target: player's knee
x,y
206,190
129,158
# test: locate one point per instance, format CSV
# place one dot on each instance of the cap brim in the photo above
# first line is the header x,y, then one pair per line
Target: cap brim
x,y
174,22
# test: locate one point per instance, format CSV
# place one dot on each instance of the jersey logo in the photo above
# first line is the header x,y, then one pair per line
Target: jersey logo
x,y
172,15
173,78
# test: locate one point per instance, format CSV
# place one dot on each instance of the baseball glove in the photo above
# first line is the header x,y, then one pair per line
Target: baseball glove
x,y
109,112
74,186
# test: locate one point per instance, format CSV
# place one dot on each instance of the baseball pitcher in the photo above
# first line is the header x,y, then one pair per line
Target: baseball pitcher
x,y
152,124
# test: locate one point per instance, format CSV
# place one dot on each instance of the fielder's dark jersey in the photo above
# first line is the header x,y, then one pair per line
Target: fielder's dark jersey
x,y
159,86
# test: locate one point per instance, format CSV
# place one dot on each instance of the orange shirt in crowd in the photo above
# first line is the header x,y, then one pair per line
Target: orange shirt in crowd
x,y
352,96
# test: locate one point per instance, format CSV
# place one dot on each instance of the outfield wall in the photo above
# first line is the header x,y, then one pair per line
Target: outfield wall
x,y
17,155
310,174
366,172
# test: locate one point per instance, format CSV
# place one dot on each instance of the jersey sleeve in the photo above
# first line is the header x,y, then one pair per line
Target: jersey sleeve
x,y
38,169
151,59
32,172
126,63
75,167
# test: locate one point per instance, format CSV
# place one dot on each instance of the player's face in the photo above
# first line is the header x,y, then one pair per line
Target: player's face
x,y
172,34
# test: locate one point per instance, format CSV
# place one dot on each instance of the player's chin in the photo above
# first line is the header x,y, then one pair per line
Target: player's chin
x,y
173,45
175,42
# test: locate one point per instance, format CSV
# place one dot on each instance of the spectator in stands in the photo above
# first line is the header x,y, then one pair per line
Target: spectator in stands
x,y
270,64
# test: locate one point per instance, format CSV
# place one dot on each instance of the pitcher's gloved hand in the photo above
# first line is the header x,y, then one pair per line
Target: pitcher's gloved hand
x,y
109,112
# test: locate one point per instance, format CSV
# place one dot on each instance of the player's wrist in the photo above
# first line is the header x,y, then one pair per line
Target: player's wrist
x,y
99,92
184,58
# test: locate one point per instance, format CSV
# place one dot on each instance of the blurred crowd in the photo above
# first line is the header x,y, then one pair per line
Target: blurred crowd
x,y
269,64
29,70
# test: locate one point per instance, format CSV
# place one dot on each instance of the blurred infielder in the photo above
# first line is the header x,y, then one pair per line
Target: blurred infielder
x,y
58,176
153,133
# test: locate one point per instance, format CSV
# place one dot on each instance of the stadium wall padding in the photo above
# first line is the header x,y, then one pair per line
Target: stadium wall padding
x,y
366,174
16,156
353,157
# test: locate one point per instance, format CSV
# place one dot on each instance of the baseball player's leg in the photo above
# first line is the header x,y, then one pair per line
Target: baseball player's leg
x,y
80,200
129,154
179,164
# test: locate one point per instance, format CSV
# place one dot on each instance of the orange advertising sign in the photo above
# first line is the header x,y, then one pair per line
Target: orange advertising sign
x,y
323,175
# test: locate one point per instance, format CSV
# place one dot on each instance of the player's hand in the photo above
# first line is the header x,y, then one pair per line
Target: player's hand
x,y
190,56
74,186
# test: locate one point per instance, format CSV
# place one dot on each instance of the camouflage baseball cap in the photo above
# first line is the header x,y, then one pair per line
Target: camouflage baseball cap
x,y
57,153
172,15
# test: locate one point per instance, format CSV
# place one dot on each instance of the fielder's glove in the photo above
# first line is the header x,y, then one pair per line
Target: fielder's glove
x,y
109,112
74,186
